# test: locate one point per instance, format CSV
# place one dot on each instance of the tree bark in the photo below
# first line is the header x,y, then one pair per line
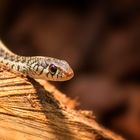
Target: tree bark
x,y
36,110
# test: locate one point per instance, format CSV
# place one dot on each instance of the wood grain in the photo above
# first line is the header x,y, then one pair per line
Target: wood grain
x,y
36,110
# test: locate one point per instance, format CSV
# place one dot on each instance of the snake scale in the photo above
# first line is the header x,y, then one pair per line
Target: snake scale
x,y
37,67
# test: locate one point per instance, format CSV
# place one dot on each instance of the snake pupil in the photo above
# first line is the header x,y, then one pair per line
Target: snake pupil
x,y
52,69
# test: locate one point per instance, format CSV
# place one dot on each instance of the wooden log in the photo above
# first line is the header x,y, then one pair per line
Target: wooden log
x,y
36,110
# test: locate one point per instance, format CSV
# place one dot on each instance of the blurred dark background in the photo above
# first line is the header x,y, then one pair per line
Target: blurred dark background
x,y
101,41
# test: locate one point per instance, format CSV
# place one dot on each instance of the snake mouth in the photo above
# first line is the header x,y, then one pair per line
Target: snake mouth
x,y
69,74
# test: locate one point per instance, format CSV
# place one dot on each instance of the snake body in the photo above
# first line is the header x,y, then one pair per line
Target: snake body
x,y
37,67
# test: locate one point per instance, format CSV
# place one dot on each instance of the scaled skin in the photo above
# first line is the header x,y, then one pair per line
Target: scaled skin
x,y
64,71
39,67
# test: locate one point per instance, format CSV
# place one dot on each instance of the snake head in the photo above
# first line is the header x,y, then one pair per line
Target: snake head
x,y
53,69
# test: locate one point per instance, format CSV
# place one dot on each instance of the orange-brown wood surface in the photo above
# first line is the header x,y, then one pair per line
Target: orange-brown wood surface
x,y
36,110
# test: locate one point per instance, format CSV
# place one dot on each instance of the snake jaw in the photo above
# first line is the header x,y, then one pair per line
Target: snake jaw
x,y
64,71
69,74
62,75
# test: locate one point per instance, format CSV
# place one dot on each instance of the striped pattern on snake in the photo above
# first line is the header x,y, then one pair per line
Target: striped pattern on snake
x,y
37,67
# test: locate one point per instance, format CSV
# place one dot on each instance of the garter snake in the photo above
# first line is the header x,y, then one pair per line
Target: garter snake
x,y
38,67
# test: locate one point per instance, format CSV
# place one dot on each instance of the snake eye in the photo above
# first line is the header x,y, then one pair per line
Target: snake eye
x,y
52,69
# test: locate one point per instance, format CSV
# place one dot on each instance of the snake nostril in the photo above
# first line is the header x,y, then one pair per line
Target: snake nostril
x,y
70,73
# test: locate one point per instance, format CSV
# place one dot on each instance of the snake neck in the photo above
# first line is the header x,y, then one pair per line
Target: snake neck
x,y
12,60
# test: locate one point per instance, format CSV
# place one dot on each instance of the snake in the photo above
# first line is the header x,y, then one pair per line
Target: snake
x,y
37,67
